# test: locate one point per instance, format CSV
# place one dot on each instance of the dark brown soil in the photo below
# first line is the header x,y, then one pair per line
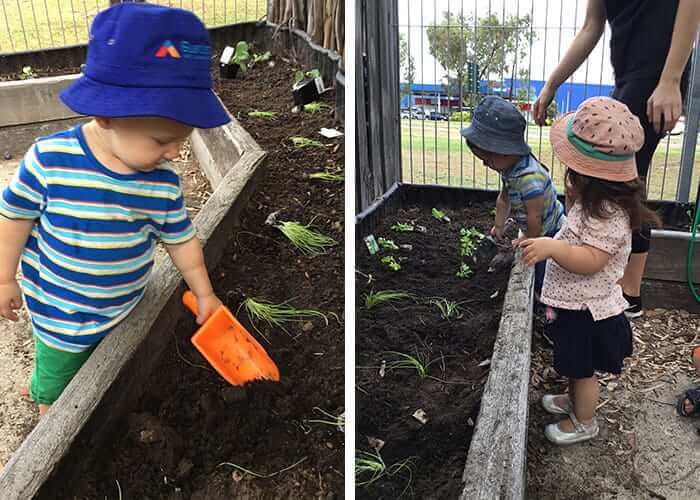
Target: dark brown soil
x,y
385,405
190,420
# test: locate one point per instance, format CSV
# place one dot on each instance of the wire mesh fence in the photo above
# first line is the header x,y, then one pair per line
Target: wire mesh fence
x,y
454,52
43,24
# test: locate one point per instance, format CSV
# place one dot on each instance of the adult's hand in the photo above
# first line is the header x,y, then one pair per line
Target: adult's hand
x,y
664,106
541,105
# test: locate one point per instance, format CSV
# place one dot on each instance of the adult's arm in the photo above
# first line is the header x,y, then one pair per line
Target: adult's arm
x,y
583,44
665,104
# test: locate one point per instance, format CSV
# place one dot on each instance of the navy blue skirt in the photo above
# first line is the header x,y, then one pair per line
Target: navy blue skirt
x,y
583,346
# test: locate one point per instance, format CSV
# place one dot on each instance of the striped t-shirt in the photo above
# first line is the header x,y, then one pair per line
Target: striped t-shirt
x,y
91,250
526,180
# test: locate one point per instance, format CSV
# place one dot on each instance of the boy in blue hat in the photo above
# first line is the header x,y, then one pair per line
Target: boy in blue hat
x,y
87,205
496,137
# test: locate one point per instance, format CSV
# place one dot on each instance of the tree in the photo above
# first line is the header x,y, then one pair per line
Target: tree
x,y
406,61
493,45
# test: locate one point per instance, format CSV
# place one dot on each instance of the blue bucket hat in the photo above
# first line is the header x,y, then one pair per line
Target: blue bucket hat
x,y
498,127
148,60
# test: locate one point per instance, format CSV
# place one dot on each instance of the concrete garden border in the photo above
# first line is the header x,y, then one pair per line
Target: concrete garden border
x,y
496,462
113,378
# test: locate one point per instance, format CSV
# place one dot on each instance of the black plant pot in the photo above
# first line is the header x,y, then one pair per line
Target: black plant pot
x,y
228,71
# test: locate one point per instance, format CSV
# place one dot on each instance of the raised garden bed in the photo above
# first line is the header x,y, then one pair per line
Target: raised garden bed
x,y
148,377
427,459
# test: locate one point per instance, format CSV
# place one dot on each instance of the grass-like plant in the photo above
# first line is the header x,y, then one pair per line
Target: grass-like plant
x,y
308,241
337,421
305,142
464,271
403,227
370,467
402,361
449,309
387,244
390,262
375,299
258,474
278,315
315,107
327,176
269,115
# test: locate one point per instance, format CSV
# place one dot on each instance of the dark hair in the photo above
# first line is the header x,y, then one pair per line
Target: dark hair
x,y
595,196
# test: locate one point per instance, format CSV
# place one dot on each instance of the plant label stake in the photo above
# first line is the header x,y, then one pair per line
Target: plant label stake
x,y
230,348
226,69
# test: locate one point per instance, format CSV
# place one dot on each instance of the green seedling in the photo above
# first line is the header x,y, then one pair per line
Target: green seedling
x,y
327,176
315,107
27,73
375,299
468,241
449,310
278,315
270,115
402,361
241,55
464,271
391,263
387,244
265,56
304,142
300,75
331,420
310,242
439,215
370,467
258,474
403,227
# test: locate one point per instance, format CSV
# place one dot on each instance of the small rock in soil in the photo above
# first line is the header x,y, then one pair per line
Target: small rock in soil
x,y
184,467
148,436
234,394
7,155
308,326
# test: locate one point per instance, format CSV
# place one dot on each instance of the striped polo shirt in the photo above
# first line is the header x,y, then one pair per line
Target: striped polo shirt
x,y
91,250
526,180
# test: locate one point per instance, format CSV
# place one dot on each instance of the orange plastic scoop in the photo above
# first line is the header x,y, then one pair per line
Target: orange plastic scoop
x,y
230,348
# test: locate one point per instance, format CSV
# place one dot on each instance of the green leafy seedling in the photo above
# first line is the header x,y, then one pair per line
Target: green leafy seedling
x,y
310,242
438,214
391,263
403,227
304,142
387,244
300,75
464,271
265,56
315,107
449,310
277,315
468,241
327,176
241,55
270,115
375,299
27,73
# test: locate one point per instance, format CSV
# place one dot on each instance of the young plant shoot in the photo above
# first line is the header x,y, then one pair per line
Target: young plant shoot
x,y
310,242
278,315
464,271
327,176
387,244
375,299
305,142
449,310
391,263
315,107
403,227
269,115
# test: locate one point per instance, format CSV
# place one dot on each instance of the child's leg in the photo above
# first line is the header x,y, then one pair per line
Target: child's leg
x,y
585,399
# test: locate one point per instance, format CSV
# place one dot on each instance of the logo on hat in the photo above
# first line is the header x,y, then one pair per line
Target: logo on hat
x,y
168,49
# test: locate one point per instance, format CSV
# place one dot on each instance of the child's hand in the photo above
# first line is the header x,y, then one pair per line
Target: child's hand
x,y
10,300
536,250
206,306
497,232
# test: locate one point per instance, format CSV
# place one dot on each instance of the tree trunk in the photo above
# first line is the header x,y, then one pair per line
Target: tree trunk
x,y
323,20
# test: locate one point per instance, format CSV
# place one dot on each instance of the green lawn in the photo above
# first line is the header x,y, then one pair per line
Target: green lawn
x,y
25,25
435,153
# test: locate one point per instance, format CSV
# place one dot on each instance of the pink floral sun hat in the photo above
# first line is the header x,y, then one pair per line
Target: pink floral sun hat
x,y
599,140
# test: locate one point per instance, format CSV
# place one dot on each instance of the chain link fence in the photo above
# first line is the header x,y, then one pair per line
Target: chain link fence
x,y
43,24
453,52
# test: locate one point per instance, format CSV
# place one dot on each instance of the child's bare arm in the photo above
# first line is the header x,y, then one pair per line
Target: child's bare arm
x,y
14,234
535,210
502,210
583,259
189,260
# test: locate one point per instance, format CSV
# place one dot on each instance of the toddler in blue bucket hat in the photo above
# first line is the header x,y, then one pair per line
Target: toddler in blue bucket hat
x,y
87,205
496,137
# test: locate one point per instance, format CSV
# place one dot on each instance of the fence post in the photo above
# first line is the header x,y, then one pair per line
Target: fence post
x,y
690,137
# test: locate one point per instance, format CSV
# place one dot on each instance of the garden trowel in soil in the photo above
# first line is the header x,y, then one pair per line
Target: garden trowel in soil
x,y
230,348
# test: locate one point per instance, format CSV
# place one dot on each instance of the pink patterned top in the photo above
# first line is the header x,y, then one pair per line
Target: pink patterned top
x,y
599,292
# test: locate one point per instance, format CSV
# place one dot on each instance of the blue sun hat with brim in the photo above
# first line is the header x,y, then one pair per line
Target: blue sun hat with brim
x,y
498,127
148,60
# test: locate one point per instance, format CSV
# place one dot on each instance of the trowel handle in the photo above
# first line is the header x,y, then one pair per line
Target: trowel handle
x,y
190,302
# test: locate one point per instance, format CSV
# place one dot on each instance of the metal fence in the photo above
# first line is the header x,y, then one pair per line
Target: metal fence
x,y
43,24
453,52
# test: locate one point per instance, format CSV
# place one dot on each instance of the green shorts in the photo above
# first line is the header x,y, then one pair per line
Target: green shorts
x,y
53,369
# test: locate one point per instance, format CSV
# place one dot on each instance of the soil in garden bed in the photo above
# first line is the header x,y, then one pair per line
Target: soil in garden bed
x,y
190,420
435,451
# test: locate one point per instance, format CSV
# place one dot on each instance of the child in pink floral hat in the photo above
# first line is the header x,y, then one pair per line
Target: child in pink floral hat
x,y
588,257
